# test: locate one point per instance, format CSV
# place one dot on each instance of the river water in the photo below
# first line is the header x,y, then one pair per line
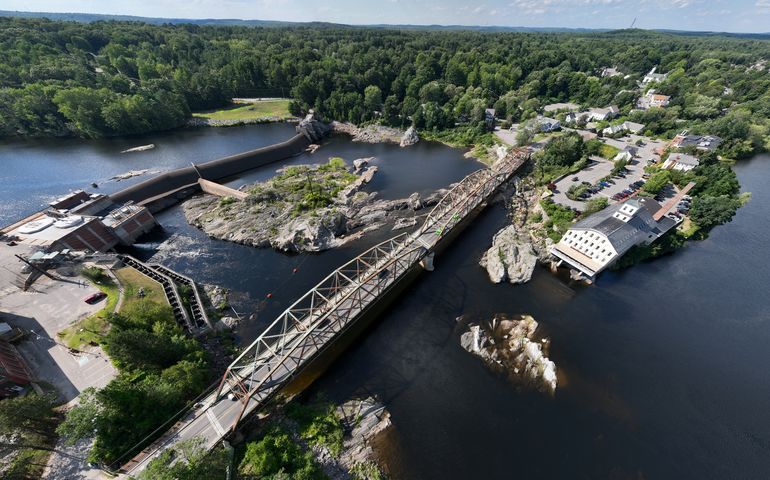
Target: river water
x,y
662,368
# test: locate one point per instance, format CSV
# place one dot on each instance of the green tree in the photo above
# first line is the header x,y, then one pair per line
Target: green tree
x,y
372,99
708,212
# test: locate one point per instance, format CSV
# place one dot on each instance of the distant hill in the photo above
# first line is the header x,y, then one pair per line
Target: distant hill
x,y
95,17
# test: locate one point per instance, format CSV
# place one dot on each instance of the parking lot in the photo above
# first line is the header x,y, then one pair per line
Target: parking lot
x,y
44,310
601,167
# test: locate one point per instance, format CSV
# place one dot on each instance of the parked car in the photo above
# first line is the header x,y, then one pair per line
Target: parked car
x,y
95,298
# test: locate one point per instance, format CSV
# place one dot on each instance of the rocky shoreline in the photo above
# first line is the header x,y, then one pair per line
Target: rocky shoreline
x,y
209,122
377,134
365,422
305,208
511,347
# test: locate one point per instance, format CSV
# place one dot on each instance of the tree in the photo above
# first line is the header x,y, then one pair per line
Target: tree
x,y
708,212
275,455
657,181
564,150
372,99
29,417
188,460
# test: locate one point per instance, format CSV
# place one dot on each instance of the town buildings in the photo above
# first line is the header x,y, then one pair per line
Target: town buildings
x,y
653,77
700,142
681,161
652,99
632,127
596,242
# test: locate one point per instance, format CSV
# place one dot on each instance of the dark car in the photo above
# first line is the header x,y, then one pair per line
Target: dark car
x,y
95,298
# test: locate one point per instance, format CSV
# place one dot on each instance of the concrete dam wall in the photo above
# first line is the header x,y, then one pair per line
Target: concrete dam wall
x,y
212,170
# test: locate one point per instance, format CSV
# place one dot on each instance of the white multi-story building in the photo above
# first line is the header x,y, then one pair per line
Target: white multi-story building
x,y
594,243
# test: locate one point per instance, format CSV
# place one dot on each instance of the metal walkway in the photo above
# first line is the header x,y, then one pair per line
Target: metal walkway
x,y
313,322
198,310
166,277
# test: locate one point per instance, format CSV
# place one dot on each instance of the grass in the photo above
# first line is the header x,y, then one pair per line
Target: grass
x,y
608,151
91,329
318,424
261,109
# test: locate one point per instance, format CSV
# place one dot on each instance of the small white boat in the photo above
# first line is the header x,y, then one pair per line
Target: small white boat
x,y
141,148
68,222
36,225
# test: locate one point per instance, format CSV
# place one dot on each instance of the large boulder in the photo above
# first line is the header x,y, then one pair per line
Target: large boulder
x,y
313,129
510,258
510,345
410,137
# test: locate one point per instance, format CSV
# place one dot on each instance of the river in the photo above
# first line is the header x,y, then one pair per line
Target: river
x,y
661,367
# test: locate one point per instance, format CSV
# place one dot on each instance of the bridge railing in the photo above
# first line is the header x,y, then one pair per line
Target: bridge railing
x,y
317,310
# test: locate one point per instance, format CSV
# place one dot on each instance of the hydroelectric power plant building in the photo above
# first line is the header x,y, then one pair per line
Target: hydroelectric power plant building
x,y
82,221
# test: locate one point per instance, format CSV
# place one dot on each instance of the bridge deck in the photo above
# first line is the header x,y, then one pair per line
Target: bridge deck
x,y
313,322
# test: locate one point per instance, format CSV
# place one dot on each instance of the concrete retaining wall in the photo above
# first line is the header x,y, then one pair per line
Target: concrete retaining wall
x,y
213,170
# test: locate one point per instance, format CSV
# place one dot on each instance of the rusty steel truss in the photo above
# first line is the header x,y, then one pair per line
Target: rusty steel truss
x,y
304,328
307,326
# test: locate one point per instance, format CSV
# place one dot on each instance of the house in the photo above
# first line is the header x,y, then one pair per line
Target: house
x,y
576,117
603,114
557,107
652,99
701,142
596,242
632,127
548,124
626,154
610,72
489,118
653,77
681,161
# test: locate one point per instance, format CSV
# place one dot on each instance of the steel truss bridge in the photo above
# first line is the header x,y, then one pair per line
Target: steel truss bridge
x,y
314,321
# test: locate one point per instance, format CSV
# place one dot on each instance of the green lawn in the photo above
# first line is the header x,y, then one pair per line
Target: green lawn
x,y
608,151
90,329
262,109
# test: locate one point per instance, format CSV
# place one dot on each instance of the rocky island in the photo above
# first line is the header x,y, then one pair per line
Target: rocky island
x,y
305,208
511,347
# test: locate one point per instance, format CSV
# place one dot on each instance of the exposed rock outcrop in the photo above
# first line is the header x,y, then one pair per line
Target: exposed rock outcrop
x,y
313,129
410,137
370,133
511,257
360,163
510,346
296,211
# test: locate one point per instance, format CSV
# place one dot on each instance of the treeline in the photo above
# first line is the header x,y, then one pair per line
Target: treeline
x,y
113,78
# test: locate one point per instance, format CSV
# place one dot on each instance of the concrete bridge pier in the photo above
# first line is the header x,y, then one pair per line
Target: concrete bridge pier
x,y
427,262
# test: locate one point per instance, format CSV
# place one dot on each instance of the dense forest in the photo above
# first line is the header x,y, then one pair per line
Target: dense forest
x,y
117,78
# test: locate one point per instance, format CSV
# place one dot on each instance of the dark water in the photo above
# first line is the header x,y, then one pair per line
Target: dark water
x,y
34,172
662,368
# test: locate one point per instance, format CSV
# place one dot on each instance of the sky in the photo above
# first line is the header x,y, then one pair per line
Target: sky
x,y
712,15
